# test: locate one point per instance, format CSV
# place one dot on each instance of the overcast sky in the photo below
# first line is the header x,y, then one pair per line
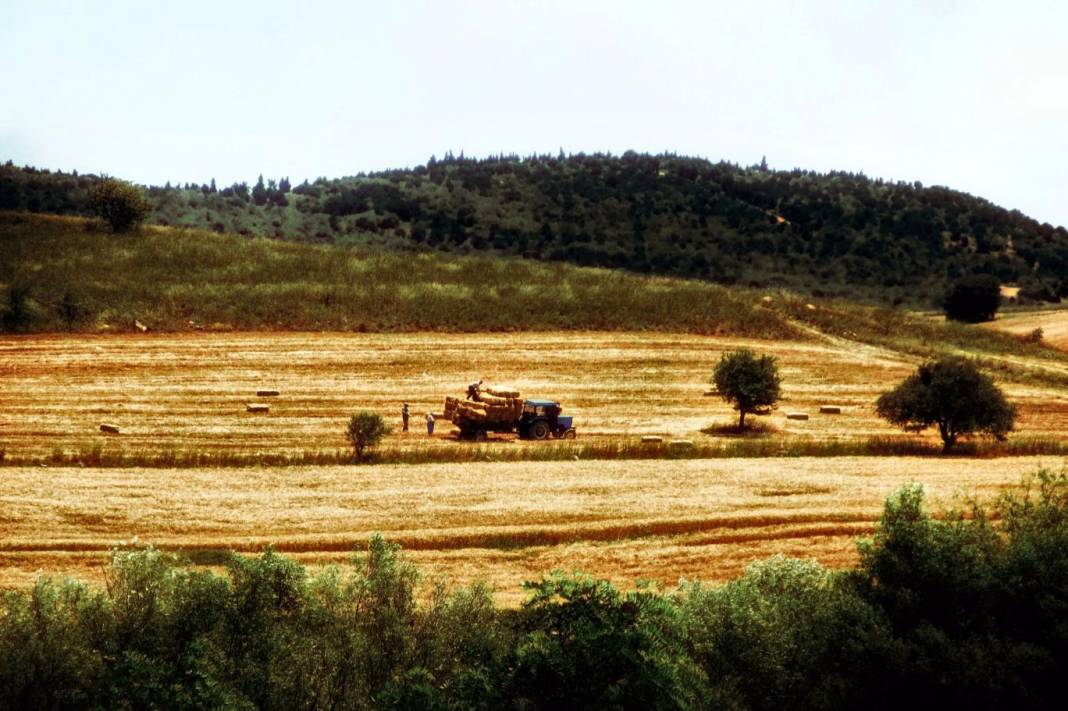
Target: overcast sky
x,y
973,95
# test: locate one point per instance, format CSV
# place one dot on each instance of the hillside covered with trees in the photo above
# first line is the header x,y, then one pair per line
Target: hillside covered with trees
x,y
836,234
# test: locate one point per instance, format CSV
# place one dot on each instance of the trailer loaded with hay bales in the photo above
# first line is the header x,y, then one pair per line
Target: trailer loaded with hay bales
x,y
499,410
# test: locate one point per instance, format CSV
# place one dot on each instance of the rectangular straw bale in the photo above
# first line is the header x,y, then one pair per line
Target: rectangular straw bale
x,y
109,428
830,410
257,407
652,439
797,415
267,393
501,392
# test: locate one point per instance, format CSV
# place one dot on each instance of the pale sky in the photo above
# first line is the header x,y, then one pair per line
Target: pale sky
x,y
973,95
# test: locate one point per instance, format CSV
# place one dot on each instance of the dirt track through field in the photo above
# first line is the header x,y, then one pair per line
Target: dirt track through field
x,y
189,391
502,523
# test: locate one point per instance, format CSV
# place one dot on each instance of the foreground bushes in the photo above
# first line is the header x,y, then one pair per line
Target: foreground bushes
x,y
955,612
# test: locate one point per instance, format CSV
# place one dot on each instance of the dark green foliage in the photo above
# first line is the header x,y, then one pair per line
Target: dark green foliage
x,y
584,645
977,611
952,394
789,634
365,430
961,611
17,315
973,299
120,204
837,233
71,310
750,383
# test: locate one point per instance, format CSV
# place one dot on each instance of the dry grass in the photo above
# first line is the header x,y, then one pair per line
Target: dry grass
x,y
187,392
1053,322
503,523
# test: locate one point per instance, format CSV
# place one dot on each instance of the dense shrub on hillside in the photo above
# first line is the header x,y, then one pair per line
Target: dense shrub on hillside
x,y
120,204
963,611
973,299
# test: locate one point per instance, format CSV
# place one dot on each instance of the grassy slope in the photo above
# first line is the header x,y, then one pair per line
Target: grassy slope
x,y
176,280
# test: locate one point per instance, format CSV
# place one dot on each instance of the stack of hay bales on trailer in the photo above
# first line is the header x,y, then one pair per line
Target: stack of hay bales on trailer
x,y
492,405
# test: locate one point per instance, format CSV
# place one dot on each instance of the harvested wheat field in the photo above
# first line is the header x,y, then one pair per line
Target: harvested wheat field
x,y
168,392
1053,322
502,523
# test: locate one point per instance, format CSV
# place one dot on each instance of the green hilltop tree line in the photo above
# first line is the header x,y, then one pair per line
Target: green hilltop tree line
x,y
835,233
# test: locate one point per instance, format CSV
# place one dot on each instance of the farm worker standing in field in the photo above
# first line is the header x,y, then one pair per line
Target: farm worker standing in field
x,y
404,417
430,424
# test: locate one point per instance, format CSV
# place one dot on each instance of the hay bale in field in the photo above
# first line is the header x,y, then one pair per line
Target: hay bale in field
x,y
107,428
267,393
797,415
652,439
711,393
830,410
680,444
257,407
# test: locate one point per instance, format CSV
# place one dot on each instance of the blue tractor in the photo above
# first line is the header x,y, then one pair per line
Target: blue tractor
x,y
541,419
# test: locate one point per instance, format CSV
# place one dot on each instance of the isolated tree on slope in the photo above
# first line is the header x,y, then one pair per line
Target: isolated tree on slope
x,y
952,394
750,383
123,205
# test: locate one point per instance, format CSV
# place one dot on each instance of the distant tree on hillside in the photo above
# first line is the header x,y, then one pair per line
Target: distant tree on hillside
x,y
121,204
973,299
259,192
952,394
751,383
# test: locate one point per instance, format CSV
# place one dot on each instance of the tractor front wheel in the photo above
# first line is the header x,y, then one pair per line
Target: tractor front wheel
x,y
569,434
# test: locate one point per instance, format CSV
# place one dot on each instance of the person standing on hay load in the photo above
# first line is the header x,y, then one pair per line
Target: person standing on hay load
x,y
404,417
430,424
472,390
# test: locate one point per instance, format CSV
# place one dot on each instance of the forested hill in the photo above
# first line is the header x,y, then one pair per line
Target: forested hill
x,y
837,233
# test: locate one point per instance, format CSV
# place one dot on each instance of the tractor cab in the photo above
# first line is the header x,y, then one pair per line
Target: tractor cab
x,y
542,419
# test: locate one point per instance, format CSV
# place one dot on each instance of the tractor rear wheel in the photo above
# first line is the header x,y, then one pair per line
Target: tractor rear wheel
x,y
539,430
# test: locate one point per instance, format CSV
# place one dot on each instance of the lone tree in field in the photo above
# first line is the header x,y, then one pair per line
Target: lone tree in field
x,y
749,382
365,431
973,299
123,205
952,394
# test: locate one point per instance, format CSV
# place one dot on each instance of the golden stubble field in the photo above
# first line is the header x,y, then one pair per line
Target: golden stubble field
x,y
498,522
188,391
503,523
1053,322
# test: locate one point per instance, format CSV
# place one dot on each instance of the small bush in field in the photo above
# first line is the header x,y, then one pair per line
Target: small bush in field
x,y
365,432
121,204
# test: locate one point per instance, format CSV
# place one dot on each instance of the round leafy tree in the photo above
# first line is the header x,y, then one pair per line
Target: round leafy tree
x,y
973,299
365,431
749,382
952,394
123,205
